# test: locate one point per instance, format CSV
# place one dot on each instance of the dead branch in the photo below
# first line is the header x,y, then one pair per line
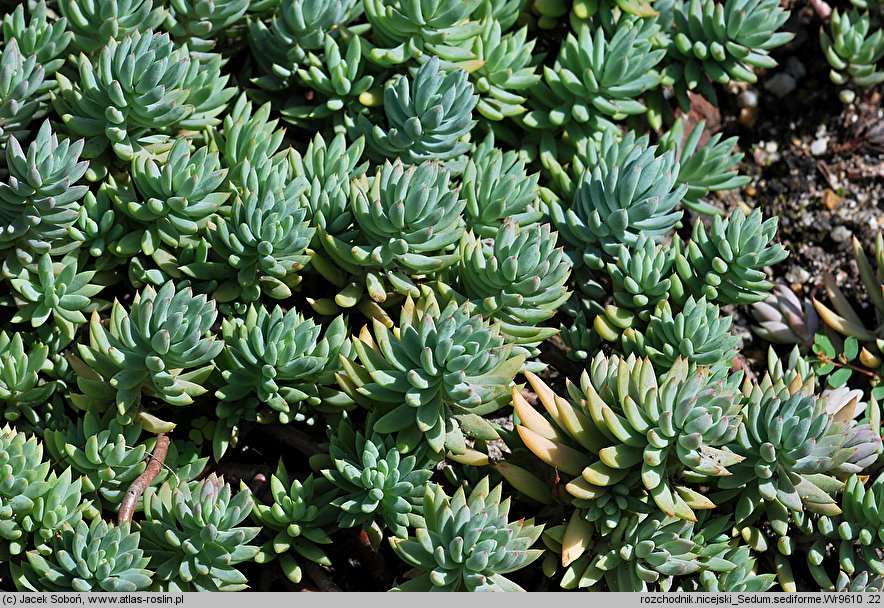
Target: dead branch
x,y
154,466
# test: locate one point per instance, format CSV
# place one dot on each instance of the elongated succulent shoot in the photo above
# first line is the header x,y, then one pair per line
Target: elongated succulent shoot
x,y
468,544
280,359
426,116
39,200
435,377
95,557
162,345
376,483
299,517
192,533
519,280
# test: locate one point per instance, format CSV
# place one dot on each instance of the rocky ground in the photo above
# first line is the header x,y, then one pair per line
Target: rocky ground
x,y
815,162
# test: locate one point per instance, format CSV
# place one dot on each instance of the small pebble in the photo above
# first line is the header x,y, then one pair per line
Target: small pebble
x,y
819,146
795,68
798,275
841,234
748,99
830,199
781,84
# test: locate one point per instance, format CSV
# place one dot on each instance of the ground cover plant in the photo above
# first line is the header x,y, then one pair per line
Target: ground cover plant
x,y
409,295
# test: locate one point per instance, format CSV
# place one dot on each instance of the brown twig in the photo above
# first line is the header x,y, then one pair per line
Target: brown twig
x,y
318,576
855,368
154,466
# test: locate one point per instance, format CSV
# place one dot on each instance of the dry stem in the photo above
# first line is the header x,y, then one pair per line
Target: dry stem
x,y
154,466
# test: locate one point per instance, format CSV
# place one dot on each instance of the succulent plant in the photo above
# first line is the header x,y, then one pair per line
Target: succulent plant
x,y
198,23
409,220
496,186
406,30
706,168
299,518
55,291
622,420
35,504
794,449
162,345
265,236
95,24
519,279
726,263
279,359
845,319
566,161
698,333
501,68
641,279
645,551
138,86
376,483
102,450
863,581
853,49
39,199
783,319
246,135
94,557
740,579
329,169
97,228
37,35
600,75
337,76
611,207
435,377
427,115
19,91
724,42
22,390
193,537
298,26
467,543
172,201
861,515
